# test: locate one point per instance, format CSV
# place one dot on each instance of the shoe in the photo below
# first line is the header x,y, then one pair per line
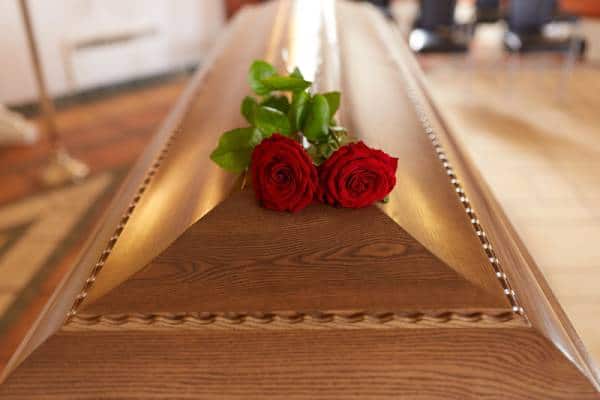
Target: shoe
x,y
442,41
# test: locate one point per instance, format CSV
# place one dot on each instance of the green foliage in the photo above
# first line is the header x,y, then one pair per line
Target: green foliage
x,y
297,111
259,71
280,103
249,105
263,79
270,120
316,125
235,148
286,106
285,83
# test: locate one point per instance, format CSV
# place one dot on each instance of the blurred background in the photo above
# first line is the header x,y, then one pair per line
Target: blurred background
x,y
84,84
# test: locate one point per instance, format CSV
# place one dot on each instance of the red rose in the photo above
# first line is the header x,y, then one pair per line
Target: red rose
x,y
283,175
356,176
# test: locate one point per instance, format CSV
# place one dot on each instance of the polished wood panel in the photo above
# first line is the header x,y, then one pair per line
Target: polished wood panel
x,y
423,203
300,364
380,112
229,261
185,174
451,349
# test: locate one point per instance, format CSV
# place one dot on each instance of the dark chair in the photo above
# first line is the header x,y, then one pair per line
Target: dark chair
x,y
488,11
526,20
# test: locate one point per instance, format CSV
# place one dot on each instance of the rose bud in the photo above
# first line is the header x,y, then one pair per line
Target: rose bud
x,y
356,176
283,175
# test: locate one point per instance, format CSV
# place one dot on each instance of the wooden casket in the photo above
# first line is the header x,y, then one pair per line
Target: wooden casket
x,y
188,289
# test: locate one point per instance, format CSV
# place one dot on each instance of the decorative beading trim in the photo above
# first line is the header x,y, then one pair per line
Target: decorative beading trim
x,y
422,115
113,240
464,200
290,320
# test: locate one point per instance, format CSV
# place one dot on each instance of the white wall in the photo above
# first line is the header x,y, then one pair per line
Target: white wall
x,y
183,31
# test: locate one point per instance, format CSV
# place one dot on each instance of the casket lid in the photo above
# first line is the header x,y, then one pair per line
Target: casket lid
x,y
180,235
195,242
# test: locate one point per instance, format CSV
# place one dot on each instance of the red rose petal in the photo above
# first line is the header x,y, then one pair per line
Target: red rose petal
x,y
283,175
356,176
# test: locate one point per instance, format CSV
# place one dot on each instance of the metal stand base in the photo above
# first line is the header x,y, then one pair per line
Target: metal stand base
x,y
62,168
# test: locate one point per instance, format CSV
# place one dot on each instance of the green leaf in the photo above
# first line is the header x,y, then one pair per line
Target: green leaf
x,y
316,125
298,109
248,108
260,70
277,82
270,120
280,103
234,150
333,100
297,74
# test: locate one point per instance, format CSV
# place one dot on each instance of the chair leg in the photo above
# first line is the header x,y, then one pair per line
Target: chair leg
x,y
569,64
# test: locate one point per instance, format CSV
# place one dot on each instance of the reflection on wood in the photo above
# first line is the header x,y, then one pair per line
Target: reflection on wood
x,y
231,261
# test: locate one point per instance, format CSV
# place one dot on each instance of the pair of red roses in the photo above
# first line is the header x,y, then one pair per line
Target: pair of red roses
x,y
285,179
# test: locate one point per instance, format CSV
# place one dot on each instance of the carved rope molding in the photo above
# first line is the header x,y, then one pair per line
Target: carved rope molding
x,y
422,114
89,282
290,320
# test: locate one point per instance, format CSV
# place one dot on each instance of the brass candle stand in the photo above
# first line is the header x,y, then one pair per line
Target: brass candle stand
x,y
61,167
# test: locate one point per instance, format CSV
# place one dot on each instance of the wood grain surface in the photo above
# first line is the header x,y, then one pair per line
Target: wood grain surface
x,y
324,259
300,364
239,263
